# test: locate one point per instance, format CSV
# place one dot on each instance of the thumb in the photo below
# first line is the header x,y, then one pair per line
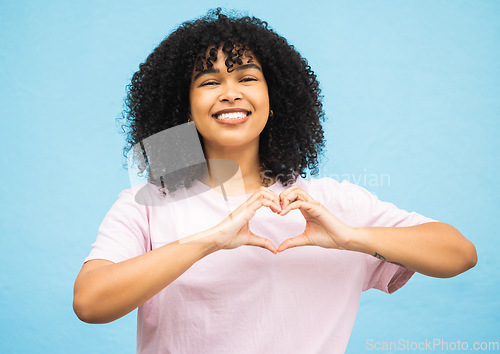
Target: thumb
x,y
297,241
254,240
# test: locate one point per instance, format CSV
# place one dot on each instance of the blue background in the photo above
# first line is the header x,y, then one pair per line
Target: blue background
x,y
411,91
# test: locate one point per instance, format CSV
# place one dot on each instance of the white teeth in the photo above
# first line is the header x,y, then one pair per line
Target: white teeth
x,y
231,116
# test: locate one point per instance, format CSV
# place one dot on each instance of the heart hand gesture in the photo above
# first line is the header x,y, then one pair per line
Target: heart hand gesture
x,y
322,229
234,231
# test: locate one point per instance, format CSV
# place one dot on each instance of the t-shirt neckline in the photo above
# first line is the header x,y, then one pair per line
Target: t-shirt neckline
x,y
199,186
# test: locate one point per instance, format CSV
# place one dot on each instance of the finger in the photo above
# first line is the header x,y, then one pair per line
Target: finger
x,y
293,194
264,198
288,194
256,201
263,201
269,191
269,194
297,241
299,204
272,204
254,240
263,191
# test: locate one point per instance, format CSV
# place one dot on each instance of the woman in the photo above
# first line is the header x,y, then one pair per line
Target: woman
x,y
254,101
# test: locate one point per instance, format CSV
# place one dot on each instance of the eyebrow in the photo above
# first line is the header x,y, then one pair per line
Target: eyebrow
x,y
238,68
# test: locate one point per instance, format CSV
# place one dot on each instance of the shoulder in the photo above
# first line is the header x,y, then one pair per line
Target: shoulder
x,y
145,195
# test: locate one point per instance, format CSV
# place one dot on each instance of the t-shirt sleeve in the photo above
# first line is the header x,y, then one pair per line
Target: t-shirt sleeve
x,y
369,211
124,232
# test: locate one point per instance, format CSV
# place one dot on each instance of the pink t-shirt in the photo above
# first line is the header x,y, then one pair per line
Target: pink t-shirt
x,y
248,300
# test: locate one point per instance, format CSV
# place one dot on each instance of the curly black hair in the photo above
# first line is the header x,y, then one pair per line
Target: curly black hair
x,y
158,96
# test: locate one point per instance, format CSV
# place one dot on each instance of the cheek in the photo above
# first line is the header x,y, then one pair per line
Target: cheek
x,y
199,104
265,95
264,101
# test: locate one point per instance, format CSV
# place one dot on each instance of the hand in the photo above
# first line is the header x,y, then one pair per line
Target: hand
x,y
234,230
322,227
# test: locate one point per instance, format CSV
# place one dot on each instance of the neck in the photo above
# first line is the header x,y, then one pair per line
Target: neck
x,y
238,169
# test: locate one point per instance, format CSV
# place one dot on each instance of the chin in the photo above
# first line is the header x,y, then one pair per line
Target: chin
x,y
233,140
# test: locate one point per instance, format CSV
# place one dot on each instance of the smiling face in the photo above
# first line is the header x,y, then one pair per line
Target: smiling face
x,y
230,109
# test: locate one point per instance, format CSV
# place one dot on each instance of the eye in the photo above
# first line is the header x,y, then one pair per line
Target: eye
x,y
209,83
248,79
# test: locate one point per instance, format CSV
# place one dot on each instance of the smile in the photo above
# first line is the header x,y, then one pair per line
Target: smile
x,y
232,117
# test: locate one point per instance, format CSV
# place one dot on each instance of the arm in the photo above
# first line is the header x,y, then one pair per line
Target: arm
x,y
434,249
105,291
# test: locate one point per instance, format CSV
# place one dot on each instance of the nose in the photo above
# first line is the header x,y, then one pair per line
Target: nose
x,y
230,92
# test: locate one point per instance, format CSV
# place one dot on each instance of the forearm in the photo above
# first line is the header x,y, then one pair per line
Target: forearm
x,y
434,249
109,292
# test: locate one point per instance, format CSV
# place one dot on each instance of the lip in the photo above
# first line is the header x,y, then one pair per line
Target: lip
x,y
232,121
